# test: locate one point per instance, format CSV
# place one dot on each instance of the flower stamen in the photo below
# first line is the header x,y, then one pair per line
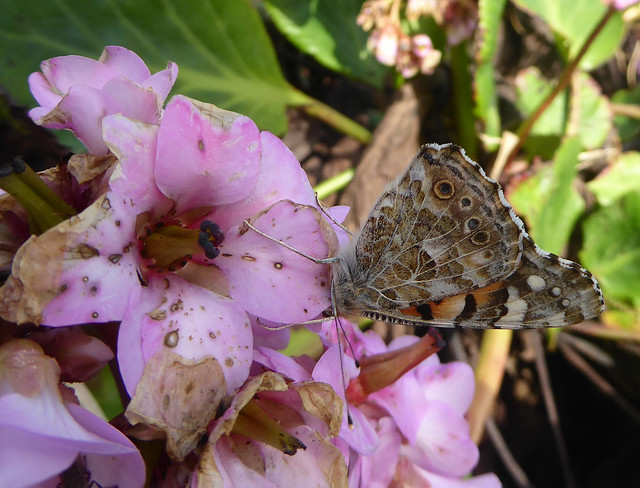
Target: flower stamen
x,y
171,245
210,237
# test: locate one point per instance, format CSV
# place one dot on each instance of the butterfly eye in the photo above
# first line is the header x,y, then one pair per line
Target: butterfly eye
x,y
443,189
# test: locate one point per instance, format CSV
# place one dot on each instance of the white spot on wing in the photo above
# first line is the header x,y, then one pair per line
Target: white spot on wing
x,y
536,282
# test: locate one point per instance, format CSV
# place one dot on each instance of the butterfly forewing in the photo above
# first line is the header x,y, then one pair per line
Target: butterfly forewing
x,y
442,229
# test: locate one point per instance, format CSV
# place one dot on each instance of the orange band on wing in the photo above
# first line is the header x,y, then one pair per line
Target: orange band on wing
x,y
459,306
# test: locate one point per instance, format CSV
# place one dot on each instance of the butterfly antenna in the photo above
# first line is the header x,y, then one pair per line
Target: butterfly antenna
x,y
291,248
342,375
340,327
324,210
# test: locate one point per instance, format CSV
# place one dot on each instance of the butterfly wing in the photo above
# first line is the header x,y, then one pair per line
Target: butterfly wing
x,y
544,291
442,229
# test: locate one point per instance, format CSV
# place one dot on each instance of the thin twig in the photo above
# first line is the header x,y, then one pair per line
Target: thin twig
x,y
494,434
599,381
516,472
550,405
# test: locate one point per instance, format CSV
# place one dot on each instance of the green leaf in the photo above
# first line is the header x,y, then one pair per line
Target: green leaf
x,y
548,200
612,249
628,127
486,96
592,112
574,20
327,30
223,51
531,90
621,178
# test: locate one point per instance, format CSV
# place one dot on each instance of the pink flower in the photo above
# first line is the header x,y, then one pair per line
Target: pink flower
x,y
274,434
134,255
76,93
620,4
384,43
414,428
42,437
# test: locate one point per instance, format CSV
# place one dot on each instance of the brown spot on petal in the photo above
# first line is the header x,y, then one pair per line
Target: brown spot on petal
x,y
248,258
114,258
85,251
228,362
212,335
201,145
157,314
177,305
94,315
106,204
171,339
85,278
278,265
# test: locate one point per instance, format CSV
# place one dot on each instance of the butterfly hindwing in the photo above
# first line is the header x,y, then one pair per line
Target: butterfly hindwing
x,y
544,291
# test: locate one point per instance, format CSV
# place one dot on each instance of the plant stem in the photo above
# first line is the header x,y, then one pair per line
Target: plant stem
x,y
527,125
463,99
334,184
44,207
332,117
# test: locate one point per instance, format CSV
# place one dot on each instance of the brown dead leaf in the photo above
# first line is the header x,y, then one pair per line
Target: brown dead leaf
x,y
180,397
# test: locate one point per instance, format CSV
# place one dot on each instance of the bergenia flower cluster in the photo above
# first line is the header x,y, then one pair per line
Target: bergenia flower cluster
x,y
396,38
140,256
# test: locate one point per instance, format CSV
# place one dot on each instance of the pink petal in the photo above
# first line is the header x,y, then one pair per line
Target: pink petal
x,y
162,82
271,338
378,469
404,401
452,383
124,469
360,436
23,440
278,362
64,72
46,95
42,428
81,111
100,264
125,62
271,281
281,177
320,465
339,213
231,470
443,444
173,314
134,143
415,476
206,155
133,101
